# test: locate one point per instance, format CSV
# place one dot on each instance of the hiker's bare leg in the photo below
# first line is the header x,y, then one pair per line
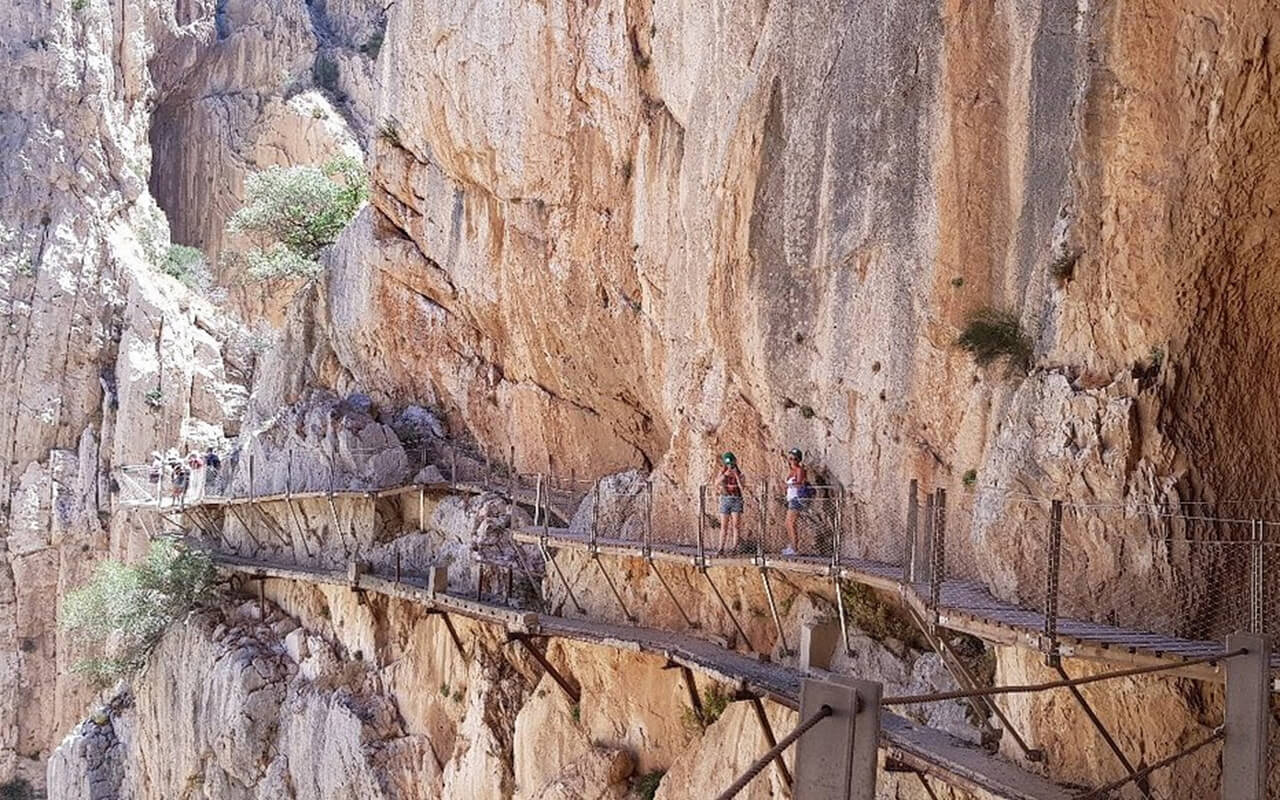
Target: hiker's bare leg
x,y
724,531
737,523
792,515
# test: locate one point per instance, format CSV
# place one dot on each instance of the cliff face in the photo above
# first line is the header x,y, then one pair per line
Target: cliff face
x,y
629,234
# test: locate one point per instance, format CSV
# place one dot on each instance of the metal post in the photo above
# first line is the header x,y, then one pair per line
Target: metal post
x,y
488,470
397,565
770,739
422,509
537,499
1244,745
844,616
938,572
702,524
595,518
648,519
909,551
1255,578
764,512
835,536
453,465
1053,568
922,566
837,760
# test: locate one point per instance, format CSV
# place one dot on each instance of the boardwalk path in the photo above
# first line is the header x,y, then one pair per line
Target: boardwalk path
x,y
965,606
925,749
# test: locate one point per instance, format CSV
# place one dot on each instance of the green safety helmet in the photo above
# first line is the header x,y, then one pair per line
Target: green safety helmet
x,y
729,458
796,454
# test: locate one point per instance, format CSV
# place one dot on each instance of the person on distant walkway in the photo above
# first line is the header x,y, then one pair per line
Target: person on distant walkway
x,y
797,497
212,467
730,484
178,477
195,469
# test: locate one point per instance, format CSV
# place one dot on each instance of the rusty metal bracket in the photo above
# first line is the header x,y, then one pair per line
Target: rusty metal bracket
x,y
1139,781
773,609
616,595
549,559
570,691
695,702
840,612
663,581
727,610
983,706
453,633
772,741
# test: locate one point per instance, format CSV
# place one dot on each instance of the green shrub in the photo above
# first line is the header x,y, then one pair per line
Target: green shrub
x,y
293,213
390,131
993,334
865,610
970,478
79,5
325,72
1064,266
187,264
373,45
646,785
132,604
19,789
154,397
957,281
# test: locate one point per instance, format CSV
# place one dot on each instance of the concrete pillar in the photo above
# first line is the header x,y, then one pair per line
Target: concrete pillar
x,y
837,758
1244,744
817,644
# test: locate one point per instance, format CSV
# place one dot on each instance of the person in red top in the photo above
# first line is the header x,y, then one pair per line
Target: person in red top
x,y
797,493
730,483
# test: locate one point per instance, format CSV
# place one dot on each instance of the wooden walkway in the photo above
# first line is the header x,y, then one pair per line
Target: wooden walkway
x,y
930,751
964,606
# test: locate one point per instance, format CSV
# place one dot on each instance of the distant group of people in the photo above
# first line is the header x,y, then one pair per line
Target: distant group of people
x,y
730,482
185,477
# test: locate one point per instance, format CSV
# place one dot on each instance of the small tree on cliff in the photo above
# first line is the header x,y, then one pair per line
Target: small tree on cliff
x,y
123,609
292,213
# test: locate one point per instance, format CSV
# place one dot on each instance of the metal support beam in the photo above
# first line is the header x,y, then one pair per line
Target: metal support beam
x,y
674,602
767,730
1255,578
613,588
695,702
840,612
938,553
570,691
983,706
1054,567
909,543
1244,745
549,559
838,760
773,610
453,633
1139,781
732,618
925,783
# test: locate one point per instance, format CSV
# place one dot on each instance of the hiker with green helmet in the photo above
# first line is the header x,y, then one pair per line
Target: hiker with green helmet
x,y
798,493
730,483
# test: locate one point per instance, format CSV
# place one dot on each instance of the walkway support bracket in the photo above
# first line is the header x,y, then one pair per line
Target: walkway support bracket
x,y
549,559
570,691
453,632
653,566
595,556
771,740
773,609
715,590
1139,781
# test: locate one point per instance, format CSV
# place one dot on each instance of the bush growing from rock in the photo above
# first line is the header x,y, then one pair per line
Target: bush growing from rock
x,y
123,609
992,334
292,213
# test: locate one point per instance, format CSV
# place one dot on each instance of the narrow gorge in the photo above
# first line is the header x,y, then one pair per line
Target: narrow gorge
x,y
471,301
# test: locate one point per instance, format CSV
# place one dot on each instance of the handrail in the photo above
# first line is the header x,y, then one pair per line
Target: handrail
x,y
773,752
